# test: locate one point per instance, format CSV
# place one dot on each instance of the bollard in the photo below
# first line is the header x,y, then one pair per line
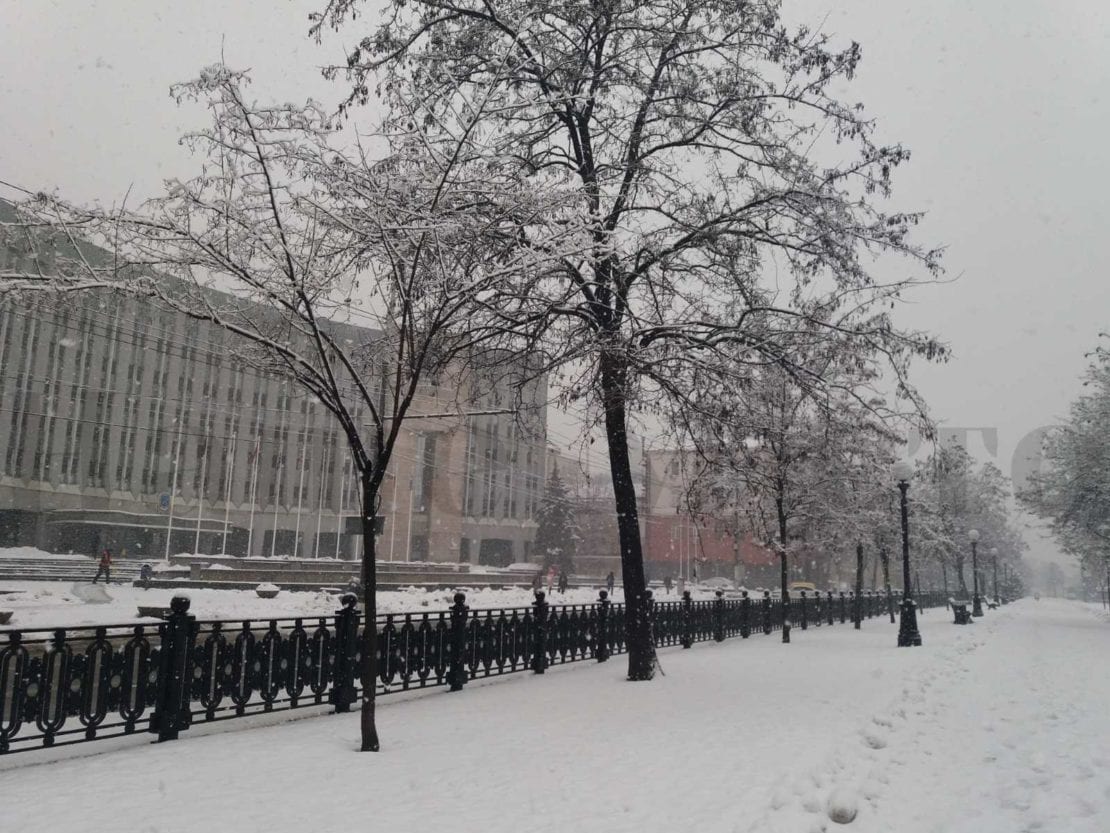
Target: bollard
x,y
745,615
171,713
539,624
766,604
687,615
456,673
719,617
805,613
603,604
829,609
342,693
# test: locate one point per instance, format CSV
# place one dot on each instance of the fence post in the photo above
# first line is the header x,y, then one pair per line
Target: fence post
x,y
857,609
171,712
745,615
456,673
805,613
342,693
719,617
766,604
602,648
843,608
539,623
829,609
687,613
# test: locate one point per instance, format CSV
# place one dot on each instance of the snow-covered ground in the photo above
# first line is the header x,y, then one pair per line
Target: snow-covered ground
x,y
43,604
996,728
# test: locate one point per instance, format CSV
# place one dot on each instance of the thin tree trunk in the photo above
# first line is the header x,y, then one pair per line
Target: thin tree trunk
x,y
857,609
369,665
641,650
784,575
960,575
886,583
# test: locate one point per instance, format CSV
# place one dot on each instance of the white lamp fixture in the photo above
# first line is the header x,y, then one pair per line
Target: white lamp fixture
x,y
903,471
973,535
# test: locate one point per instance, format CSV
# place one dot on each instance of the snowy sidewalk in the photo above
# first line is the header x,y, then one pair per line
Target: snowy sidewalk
x,y
747,735
1014,736
1008,732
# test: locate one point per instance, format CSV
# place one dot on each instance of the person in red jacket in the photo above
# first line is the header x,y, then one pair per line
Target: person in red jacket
x,y
105,567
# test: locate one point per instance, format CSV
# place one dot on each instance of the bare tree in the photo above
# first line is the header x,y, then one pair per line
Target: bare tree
x,y
808,438
693,132
287,240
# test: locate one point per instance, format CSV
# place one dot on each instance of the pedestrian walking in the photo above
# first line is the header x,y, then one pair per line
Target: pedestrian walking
x,y
551,579
104,567
610,580
564,581
668,583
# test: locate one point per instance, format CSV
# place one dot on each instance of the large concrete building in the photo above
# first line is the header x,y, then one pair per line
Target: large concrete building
x,y
126,425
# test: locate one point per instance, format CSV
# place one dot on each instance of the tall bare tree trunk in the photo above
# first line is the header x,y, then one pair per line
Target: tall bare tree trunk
x,y
857,609
960,574
784,574
641,649
369,665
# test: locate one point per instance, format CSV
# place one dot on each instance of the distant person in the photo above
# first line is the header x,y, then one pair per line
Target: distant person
x,y
146,573
104,567
537,580
564,581
551,579
610,580
667,584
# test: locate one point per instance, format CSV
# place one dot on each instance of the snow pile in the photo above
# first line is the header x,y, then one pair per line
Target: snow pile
x,y
34,552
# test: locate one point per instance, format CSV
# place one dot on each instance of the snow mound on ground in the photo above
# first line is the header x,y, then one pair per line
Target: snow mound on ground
x,y
842,806
92,594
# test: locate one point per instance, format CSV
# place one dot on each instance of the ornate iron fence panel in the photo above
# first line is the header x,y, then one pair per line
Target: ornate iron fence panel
x,y
70,685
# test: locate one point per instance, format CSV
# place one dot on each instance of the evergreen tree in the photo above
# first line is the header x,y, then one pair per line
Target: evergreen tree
x,y
557,535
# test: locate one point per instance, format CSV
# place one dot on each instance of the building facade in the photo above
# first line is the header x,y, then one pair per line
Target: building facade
x,y
681,542
128,426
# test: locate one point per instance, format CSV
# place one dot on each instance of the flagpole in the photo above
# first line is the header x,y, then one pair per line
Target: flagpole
x,y
280,474
203,486
300,494
254,491
320,500
342,505
230,466
173,488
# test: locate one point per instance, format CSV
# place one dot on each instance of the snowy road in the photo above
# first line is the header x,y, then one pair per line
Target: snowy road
x,y
997,727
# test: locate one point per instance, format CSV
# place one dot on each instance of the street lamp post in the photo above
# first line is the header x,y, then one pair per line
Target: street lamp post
x,y
908,634
994,558
976,601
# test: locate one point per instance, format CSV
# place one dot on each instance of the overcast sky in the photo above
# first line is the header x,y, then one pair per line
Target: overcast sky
x,y
1003,103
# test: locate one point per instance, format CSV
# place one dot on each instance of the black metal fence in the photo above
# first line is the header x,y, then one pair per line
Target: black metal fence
x,y
71,685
